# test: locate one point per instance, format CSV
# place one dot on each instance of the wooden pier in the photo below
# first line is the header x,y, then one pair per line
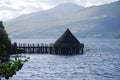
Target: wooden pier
x,y
44,49
66,44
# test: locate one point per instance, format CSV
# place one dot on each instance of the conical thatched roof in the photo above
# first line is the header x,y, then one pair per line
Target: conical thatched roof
x,y
67,40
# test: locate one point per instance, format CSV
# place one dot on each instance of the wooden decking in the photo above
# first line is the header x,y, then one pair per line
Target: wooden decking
x,y
41,48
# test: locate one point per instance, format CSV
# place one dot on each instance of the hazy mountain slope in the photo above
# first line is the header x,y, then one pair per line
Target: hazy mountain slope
x,y
96,21
41,20
60,11
65,10
108,10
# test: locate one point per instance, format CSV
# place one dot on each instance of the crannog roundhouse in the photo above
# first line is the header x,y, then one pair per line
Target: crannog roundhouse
x,y
67,44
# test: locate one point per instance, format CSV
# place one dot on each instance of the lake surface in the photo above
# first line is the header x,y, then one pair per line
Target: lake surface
x,y
101,61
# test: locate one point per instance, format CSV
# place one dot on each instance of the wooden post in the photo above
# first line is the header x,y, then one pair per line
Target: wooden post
x,y
82,50
38,48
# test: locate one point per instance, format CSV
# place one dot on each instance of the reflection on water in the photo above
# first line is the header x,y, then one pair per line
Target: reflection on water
x,y
100,62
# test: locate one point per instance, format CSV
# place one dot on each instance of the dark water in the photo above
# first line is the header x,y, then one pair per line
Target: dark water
x,y
101,61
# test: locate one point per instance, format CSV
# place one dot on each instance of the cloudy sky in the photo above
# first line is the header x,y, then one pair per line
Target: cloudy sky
x,y
10,9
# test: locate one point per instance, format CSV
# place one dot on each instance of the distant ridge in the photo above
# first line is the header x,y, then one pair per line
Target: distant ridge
x,y
65,10
96,21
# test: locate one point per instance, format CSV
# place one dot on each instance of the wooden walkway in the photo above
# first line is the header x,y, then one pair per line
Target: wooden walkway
x,y
43,49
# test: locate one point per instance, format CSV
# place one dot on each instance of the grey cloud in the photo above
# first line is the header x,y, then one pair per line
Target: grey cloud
x,y
31,9
79,2
93,2
17,6
59,1
8,8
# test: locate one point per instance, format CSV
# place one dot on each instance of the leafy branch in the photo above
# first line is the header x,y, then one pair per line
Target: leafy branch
x,y
8,69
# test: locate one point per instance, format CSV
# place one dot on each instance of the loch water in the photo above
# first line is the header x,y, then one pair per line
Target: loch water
x,y
100,61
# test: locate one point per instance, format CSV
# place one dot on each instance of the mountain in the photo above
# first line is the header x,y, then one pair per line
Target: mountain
x,y
65,10
95,21
108,10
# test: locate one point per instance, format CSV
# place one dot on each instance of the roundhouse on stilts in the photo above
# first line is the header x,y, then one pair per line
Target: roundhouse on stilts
x,y
67,44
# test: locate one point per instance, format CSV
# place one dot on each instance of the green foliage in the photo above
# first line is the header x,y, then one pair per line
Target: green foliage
x,y
3,58
10,68
5,44
1,25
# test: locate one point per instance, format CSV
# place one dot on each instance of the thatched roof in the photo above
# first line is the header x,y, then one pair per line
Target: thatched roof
x,y
67,40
